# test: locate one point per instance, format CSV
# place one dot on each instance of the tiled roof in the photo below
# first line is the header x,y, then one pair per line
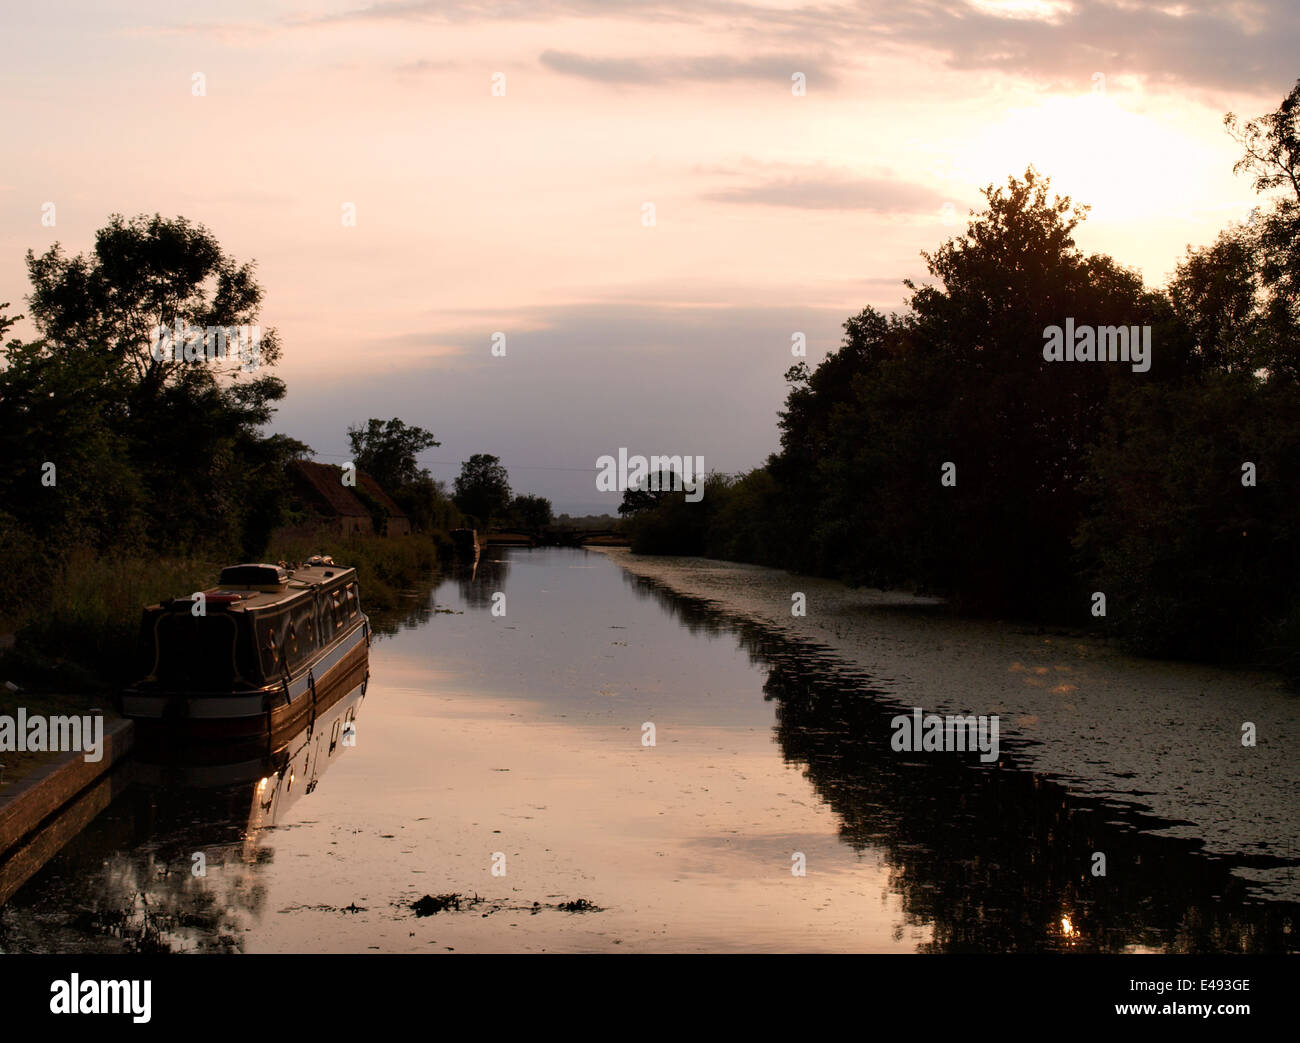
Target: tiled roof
x,y
372,487
323,483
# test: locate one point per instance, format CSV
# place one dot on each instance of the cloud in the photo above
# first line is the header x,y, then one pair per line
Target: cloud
x,y
1204,43
622,332
423,66
820,191
712,68
521,11
653,369
1201,43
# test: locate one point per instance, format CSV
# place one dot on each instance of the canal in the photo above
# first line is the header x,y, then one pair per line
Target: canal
x,y
557,754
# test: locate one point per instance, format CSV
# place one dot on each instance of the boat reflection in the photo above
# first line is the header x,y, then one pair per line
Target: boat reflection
x,y
483,578
171,865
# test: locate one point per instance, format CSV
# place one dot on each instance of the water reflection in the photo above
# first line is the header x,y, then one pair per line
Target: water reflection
x,y
994,857
477,582
172,865
527,730
414,609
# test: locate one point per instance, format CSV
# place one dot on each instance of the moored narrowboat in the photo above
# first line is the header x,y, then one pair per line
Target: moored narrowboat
x,y
465,542
266,650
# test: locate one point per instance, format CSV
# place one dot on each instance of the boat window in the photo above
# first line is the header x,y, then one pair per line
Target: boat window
x,y
352,600
196,652
337,604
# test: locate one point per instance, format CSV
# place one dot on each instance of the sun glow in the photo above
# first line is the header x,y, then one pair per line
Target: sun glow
x,y
1042,10
1095,150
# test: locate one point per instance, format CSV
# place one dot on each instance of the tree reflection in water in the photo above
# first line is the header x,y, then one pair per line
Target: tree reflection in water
x,y
990,857
995,857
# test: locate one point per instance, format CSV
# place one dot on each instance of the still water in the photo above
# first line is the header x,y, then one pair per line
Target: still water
x,y
607,766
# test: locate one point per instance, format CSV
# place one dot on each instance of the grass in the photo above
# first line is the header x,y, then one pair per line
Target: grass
x,y
386,565
19,765
82,636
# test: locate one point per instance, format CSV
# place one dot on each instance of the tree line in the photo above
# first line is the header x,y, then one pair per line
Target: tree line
x,y
938,449
387,450
121,440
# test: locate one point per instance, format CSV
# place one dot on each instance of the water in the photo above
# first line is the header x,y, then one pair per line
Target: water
x,y
505,759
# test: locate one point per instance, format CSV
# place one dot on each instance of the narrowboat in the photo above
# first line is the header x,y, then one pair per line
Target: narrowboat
x,y
465,542
263,653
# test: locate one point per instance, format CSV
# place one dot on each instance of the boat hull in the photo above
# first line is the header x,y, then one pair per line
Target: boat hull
x,y
258,714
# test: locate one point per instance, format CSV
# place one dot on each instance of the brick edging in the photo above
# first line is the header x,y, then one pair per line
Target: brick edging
x,y
31,800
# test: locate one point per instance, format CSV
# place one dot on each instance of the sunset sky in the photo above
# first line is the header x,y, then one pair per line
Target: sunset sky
x,y
522,213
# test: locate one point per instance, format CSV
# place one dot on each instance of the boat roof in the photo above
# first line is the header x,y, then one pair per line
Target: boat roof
x,y
301,580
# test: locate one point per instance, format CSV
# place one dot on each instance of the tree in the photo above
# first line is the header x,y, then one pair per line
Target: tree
x,y
1271,151
960,379
1196,537
1272,145
147,445
1215,293
531,512
387,451
649,493
483,488
974,389
147,274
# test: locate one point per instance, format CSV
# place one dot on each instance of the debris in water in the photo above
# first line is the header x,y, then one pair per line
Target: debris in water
x,y
431,904
578,905
353,908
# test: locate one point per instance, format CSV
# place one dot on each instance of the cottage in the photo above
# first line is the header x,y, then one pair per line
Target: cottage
x,y
396,523
345,509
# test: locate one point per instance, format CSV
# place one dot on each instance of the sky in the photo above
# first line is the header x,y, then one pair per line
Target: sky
x,y
637,195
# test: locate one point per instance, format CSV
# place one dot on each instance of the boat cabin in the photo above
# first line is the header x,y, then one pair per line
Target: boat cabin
x,y
261,623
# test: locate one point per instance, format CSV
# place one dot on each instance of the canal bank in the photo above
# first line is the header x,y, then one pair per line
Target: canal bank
x,y
1159,736
28,801
54,801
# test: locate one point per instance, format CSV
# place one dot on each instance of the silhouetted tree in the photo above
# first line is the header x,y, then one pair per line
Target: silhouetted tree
x,y
147,445
483,488
1169,490
530,512
387,450
1194,527
1271,151
650,492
